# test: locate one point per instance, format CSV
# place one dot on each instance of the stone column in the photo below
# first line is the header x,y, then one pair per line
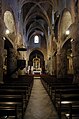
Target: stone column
x,y
54,65
50,64
74,33
1,44
62,64
75,52
11,63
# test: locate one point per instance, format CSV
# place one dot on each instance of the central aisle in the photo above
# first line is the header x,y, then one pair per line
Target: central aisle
x,y
40,105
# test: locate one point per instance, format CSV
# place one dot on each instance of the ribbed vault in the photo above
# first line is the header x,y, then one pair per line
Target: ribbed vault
x,y
37,16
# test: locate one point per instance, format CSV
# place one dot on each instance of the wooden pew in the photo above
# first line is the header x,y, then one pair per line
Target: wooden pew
x,y
73,110
11,104
23,81
14,95
18,88
14,92
8,109
50,80
64,98
60,86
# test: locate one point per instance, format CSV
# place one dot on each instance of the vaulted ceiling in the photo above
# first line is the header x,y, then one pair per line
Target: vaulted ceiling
x,y
37,16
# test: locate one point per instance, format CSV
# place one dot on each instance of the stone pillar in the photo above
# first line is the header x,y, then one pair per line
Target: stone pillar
x,y
54,65
75,53
50,64
62,64
1,44
74,33
11,63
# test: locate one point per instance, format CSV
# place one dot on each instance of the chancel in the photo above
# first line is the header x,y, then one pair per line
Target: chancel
x,y
36,65
39,59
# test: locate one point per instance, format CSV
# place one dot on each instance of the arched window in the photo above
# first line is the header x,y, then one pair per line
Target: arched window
x,y
36,39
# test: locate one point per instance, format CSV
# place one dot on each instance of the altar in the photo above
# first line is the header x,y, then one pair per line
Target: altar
x,y
38,71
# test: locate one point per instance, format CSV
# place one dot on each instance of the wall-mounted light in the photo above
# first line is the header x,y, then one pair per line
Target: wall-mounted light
x,y
7,31
67,115
65,102
67,32
71,55
4,38
72,40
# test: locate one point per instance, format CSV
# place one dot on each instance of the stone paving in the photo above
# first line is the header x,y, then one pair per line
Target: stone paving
x,y
40,105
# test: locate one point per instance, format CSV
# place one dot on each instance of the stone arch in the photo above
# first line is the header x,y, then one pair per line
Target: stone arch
x,y
67,46
9,21
64,24
8,44
10,24
36,54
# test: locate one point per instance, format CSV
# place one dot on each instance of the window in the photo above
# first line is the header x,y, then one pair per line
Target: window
x,y
36,39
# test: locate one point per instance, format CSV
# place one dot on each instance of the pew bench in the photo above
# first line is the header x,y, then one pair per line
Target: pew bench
x,y
11,104
56,88
65,99
18,88
14,96
8,109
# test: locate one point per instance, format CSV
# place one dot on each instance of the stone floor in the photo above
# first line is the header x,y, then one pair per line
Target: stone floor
x,y
40,105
